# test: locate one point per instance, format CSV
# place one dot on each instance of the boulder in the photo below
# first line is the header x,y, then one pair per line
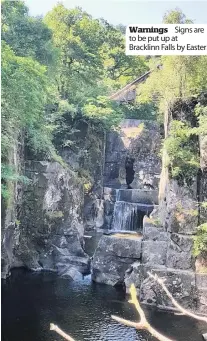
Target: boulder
x,y
113,256
72,272
133,275
180,283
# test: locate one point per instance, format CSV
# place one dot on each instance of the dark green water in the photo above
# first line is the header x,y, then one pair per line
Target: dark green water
x,y
30,301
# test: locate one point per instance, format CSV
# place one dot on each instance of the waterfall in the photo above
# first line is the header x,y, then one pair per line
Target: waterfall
x,y
128,216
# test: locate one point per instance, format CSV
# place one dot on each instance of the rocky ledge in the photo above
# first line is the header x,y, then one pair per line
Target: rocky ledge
x,y
123,259
113,256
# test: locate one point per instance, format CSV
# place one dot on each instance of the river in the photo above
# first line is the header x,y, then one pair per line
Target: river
x,y
32,300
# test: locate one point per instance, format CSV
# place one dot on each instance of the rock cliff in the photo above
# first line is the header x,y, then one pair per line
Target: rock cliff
x,y
166,246
49,232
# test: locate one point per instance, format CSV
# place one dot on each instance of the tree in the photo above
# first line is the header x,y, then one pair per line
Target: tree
x,y
27,36
24,95
180,76
92,62
119,68
176,16
79,38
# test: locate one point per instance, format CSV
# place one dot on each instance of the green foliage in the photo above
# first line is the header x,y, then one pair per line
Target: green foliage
x,y
104,110
9,175
26,36
201,113
176,16
182,151
24,95
139,111
119,68
52,215
92,60
182,145
204,204
200,240
180,78
86,179
79,38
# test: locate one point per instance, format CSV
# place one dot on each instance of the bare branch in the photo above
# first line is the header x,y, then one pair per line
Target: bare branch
x,y
175,303
61,332
143,324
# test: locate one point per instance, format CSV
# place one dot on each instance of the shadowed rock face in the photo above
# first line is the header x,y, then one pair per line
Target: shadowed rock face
x,y
129,164
131,155
50,233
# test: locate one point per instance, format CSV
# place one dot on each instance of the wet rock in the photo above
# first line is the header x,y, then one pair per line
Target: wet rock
x,y
139,140
80,263
133,275
109,195
94,214
129,164
73,273
138,196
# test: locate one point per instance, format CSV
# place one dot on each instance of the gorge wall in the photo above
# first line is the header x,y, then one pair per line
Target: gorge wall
x,y
165,245
43,223
43,229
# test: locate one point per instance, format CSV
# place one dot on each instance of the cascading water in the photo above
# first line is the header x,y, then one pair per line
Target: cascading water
x,y
128,216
